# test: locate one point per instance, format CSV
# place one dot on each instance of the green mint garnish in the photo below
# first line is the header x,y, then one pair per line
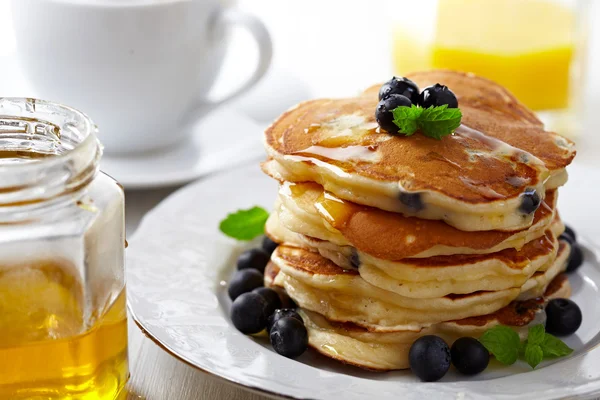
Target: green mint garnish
x,y
406,119
245,224
554,347
505,345
434,122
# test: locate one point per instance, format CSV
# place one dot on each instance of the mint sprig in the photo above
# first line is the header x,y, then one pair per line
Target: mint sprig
x,y
245,224
504,343
435,122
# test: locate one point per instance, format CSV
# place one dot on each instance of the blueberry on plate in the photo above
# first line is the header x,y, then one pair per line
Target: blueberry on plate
x,y
402,86
248,313
268,245
563,317
575,258
469,356
567,238
429,358
254,258
244,281
383,113
271,297
437,95
289,337
282,313
571,232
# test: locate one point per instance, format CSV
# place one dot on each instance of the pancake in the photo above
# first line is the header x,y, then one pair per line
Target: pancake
x,y
355,345
483,177
319,285
307,209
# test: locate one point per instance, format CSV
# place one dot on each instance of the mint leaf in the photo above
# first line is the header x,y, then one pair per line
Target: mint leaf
x,y
245,224
554,347
536,335
406,119
437,122
533,354
503,343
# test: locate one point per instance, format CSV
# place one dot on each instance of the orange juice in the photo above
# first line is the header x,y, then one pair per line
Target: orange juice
x,y
526,45
47,352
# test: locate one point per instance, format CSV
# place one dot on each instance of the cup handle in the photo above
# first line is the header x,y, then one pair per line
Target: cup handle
x,y
234,17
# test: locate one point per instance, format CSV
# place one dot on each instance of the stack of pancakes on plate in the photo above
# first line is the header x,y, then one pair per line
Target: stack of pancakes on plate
x,y
384,239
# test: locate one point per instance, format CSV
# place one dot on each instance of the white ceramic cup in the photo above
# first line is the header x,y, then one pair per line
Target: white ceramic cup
x,y
141,69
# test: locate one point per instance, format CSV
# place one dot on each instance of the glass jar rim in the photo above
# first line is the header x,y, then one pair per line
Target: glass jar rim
x,y
68,138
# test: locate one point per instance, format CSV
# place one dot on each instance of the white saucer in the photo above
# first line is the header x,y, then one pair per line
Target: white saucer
x,y
218,141
178,265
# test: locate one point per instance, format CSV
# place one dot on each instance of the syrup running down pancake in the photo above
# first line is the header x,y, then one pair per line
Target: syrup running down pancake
x,y
492,173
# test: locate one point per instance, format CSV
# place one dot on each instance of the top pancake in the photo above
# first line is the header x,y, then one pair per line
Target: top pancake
x,y
474,179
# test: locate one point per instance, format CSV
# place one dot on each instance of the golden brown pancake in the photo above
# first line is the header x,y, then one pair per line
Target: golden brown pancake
x,y
319,285
476,179
383,351
392,236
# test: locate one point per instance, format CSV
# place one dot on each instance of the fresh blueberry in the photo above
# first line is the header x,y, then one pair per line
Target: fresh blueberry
x,y
248,313
571,232
244,281
355,259
437,95
282,313
289,337
268,245
567,238
271,297
563,317
530,201
429,358
412,201
575,258
253,258
402,86
469,356
383,113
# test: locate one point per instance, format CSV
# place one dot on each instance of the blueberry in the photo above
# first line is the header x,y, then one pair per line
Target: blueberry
x,y
563,317
402,86
437,95
412,201
244,281
271,297
575,258
289,337
248,313
355,259
469,356
268,245
567,238
383,113
253,258
530,201
571,232
282,313
429,358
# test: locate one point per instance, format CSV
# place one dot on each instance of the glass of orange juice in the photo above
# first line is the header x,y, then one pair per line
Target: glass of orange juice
x,y
535,48
63,319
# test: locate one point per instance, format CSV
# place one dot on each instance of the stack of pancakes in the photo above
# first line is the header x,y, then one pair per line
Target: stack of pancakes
x,y
384,239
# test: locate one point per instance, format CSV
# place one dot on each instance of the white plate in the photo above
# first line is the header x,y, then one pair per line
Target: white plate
x,y
220,140
178,264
